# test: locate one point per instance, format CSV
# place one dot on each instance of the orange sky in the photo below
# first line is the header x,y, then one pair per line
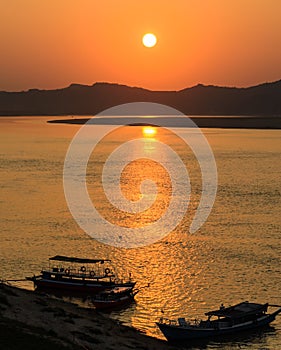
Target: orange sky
x,y
50,44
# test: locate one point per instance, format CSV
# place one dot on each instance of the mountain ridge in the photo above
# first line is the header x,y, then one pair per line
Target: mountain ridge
x,y
78,99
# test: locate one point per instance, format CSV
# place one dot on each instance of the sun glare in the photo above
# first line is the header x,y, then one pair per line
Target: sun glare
x,y
149,131
149,40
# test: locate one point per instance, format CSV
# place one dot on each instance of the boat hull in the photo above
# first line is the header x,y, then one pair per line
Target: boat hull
x,y
109,305
84,287
177,333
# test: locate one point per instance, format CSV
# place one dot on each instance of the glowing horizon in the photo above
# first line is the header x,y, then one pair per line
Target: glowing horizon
x,y
50,45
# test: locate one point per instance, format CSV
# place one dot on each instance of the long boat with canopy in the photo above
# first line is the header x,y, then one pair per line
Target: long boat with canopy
x,y
244,316
87,276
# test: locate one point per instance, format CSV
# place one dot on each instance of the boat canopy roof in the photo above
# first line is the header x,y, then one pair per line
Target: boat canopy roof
x,y
239,310
78,260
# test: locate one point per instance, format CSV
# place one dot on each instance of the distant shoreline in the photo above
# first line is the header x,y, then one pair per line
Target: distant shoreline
x,y
225,122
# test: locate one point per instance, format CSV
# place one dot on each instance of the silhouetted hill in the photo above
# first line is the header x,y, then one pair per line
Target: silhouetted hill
x,y
264,99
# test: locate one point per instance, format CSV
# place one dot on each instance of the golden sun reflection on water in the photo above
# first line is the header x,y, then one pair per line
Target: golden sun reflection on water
x,y
149,131
131,177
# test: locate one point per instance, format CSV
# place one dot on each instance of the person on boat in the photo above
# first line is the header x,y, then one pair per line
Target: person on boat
x,y
222,307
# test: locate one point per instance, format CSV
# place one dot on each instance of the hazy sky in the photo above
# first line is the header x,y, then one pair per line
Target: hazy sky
x,y
52,43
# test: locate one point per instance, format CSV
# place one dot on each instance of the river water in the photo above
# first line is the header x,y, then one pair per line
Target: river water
x,y
234,256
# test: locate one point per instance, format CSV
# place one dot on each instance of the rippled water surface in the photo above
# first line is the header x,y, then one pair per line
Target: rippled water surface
x,y
235,256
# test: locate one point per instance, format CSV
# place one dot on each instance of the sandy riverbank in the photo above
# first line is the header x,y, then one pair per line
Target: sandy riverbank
x,y
29,320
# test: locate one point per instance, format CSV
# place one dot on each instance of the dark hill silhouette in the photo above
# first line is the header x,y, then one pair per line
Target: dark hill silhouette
x,y
260,100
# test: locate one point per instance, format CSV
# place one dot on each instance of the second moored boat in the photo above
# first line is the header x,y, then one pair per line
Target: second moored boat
x,y
114,298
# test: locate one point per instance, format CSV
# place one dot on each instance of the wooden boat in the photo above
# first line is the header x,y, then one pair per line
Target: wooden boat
x,y
114,298
231,320
76,275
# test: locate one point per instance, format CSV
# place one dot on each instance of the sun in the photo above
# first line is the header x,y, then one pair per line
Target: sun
x,y
149,40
